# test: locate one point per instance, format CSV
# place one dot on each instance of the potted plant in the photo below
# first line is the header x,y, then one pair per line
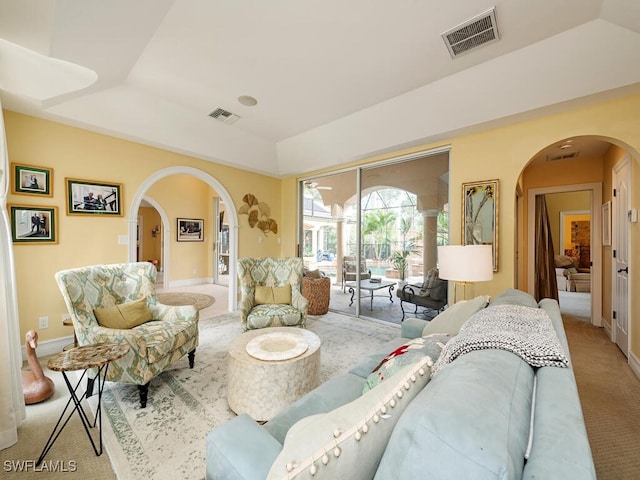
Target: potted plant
x,y
400,262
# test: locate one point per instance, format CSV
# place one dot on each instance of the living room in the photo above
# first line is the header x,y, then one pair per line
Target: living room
x,y
184,181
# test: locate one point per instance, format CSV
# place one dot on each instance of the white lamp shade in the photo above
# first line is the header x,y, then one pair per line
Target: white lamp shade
x,y
468,263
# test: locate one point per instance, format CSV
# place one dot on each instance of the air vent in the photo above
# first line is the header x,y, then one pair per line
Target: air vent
x,y
224,116
561,156
479,30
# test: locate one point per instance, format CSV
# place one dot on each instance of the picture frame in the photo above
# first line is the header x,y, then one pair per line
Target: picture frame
x,y
31,180
606,224
190,229
480,215
90,197
33,224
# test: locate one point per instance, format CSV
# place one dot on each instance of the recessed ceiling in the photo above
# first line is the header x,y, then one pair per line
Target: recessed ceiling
x,y
335,81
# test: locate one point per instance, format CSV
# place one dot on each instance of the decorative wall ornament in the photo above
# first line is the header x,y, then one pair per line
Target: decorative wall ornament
x,y
258,213
480,215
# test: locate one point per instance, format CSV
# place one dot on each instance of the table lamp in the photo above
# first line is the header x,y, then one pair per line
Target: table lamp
x,y
465,265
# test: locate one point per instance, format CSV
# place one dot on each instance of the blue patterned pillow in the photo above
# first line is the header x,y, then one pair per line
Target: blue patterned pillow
x,y
410,352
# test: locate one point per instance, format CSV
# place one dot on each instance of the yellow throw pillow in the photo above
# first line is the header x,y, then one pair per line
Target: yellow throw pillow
x,y
269,295
124,316
282,294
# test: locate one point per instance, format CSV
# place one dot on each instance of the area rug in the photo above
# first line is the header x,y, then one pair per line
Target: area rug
x,y
166,440
198,300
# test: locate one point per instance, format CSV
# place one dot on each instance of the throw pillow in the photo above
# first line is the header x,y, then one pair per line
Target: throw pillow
x,y
125,315
314,274
428,346
430,281
349,441
273,295
455,316
512,296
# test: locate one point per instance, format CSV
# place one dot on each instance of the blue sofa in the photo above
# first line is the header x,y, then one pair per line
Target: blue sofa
x,y
486,415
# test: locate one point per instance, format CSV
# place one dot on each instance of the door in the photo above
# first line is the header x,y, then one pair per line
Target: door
x,y
621,206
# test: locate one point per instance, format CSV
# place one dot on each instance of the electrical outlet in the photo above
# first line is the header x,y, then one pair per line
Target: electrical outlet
x,y
43,322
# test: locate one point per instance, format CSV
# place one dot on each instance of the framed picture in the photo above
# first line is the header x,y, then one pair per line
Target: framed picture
x,y
190,230
88,197
34,224
606,224
32,180
480,215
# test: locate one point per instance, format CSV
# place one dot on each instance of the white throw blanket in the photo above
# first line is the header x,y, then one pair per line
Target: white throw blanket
x,y
524,331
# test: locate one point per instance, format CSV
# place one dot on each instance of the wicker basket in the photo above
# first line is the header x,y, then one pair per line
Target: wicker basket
x,y
317,291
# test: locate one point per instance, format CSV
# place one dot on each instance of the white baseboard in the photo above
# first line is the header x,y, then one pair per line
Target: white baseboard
x,y
188,282
607,327
634,363
49,347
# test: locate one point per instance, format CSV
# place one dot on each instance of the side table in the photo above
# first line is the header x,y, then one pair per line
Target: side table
x,y
83,358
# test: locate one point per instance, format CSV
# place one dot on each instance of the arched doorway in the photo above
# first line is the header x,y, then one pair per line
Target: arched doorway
x,y
582,163
232,221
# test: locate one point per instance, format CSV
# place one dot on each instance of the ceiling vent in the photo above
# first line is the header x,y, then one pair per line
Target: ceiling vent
x,y
479,30
224,116
561,156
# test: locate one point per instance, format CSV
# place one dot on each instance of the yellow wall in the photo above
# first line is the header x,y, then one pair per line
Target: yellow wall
x,y
503,154
151,248
500,153
85,240
566,202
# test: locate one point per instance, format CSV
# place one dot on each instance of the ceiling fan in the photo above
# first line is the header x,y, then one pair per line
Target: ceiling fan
x,y
311,184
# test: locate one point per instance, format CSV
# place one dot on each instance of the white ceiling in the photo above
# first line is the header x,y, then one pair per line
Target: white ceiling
x,y
335,80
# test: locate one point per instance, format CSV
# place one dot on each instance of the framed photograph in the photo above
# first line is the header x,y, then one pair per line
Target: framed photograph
x,y
32,180
33,224
88,197
190,230
606,224
480,215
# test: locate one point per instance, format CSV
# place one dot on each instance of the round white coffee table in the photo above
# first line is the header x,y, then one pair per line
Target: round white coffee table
x,y
271,368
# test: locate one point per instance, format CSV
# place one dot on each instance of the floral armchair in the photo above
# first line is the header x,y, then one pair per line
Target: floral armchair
x,y
154,345
270,293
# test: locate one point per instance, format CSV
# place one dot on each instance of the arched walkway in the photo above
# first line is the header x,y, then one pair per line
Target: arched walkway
x,y
220,190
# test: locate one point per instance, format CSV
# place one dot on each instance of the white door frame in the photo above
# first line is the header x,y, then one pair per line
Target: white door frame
x,y
596,242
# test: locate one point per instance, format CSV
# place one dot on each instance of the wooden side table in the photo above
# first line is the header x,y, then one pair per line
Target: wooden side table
x,y
83,358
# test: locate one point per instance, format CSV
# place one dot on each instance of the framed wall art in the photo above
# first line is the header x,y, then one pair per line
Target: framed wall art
x,y
89,197
190,230
480,215
31,180
33,224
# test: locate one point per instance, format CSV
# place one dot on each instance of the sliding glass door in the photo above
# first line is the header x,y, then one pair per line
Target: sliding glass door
x,y
373,228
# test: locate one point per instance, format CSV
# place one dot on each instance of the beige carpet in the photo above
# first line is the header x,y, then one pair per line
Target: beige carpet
x,y
198,300
610,398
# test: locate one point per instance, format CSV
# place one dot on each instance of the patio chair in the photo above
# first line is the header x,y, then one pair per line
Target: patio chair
x,y
349,269
431,294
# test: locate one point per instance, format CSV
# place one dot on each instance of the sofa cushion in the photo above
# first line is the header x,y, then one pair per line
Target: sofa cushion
x,y
511,296
349,441
125,315
485,394
273,315
332,394
428,346
270,295
455,316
